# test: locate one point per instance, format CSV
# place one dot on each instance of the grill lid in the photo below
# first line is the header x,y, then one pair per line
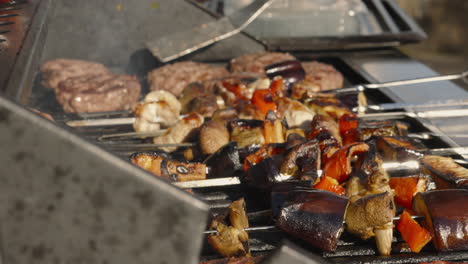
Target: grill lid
x,y
326,25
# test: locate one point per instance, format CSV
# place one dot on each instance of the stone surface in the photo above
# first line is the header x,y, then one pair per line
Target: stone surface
x,y
63,200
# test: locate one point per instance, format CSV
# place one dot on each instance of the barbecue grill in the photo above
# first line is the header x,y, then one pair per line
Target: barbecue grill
x,y
68,197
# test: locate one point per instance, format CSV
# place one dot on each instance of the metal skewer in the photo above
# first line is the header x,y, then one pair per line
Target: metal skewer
x,y
407,165
383,107
272,227
362,87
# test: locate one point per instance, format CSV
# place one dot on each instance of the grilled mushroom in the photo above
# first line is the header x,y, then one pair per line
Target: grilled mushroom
x,y
370,216
232,240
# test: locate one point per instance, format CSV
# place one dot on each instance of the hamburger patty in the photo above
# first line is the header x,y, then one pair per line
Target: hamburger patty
x,y
323,75
175,77
55,71
84,86
98,93
256,62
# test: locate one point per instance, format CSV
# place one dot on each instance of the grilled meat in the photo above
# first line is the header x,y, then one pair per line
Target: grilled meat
x,y
175,77
164,167
213,136
370,216
296,114
231,240
180,132
322,75
445,172
445,215
160,108
256,62
98,93
55,71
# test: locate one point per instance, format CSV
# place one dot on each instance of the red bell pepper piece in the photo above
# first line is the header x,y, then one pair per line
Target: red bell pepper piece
x,y
263,100
331,185
348,124
235,88
407,187
277,87
415,235
338,166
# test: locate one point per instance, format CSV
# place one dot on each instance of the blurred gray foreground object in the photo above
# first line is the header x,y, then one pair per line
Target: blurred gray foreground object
x,y
291,254
181,43
64,200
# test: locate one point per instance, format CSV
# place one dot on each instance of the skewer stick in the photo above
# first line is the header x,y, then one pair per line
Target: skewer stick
x,y
133,135
101,122
363,87
407,165
272,227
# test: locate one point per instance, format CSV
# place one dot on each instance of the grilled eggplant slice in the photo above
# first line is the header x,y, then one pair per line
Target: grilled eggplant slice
x,y
370,216
263,175
445,172
398,148
445,215
314,216
290,70
368,129
225,162
328,104
173,170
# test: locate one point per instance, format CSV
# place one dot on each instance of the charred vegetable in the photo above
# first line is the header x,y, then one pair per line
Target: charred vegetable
x,y
397,148
416,236
369,176
339,165
446,173
302,158
406,188
445,215
225,162
314,216
263,175
291,71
